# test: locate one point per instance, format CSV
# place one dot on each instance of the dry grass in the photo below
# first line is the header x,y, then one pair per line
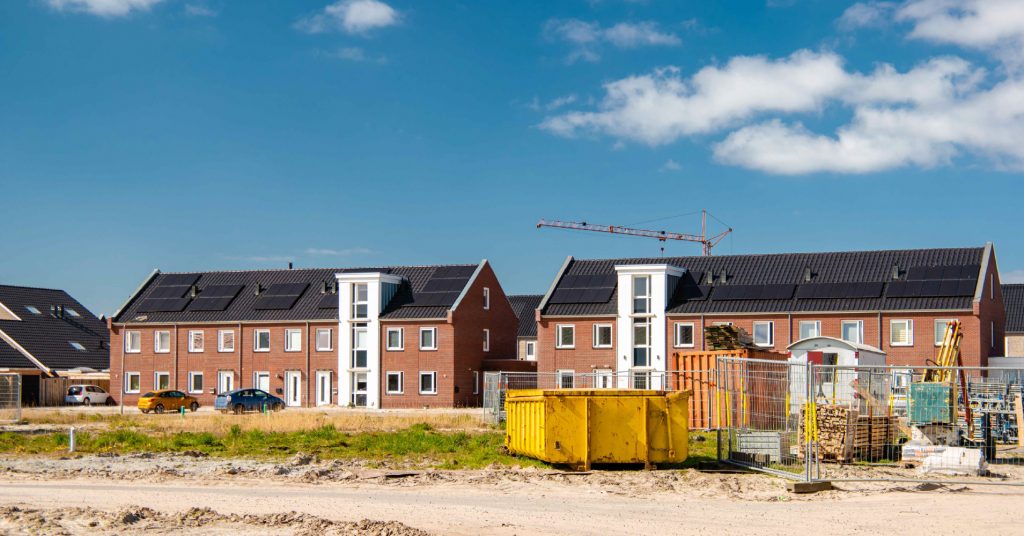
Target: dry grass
x,y
285,421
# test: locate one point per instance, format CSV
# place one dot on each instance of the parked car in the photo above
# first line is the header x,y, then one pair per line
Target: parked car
x,y
88,395
242,400
167,400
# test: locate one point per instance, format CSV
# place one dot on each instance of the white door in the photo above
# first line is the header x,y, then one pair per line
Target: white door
x,y
261,381
323,387
225,381
293,388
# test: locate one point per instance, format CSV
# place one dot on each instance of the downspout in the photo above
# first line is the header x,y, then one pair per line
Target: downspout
x,y
238,343
176,354
122,369
789,329
309,399
880,330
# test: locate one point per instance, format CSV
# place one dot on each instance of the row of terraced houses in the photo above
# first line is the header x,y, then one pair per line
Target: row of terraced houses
x,y
423,336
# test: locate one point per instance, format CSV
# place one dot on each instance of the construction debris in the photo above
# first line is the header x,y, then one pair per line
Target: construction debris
x,y
727,338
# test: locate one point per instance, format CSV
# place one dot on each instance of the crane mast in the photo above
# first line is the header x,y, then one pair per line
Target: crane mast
x,y
707,242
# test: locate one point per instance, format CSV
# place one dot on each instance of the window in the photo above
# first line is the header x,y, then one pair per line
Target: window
x,y
764,333
641,294
360,340
901,332
487,298
77,346
162,342
293,340
161,380
132,342
360,300
428,383
132,382
195,382
566,379
324,339
809,328
395,383
642,343
226,340
476,382
396,339
531,350
565,336
853,331
602,335
195,341
940,330
261,340
684,335
428,338
32,309
487,340
73,313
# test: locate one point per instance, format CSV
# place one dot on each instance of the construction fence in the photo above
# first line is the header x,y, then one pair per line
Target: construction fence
x,y
10,397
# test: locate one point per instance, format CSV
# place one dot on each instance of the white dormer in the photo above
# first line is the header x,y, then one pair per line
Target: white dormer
x,y
643,294
361,299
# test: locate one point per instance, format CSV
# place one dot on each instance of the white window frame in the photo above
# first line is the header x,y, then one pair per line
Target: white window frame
x,y
401,382
487,340
156,342
330,339
433,339
910,330
33,309
800,328
860,330
647,328
132,348
531,356
356,348
604,378
558,336
566,373
288,334
938,340
771,332
487,298
192,348
676,342
77,346
356,302
644,298
221,347
476,382
401,339
256,340
127,383
433,375
595,339
156,379
191,382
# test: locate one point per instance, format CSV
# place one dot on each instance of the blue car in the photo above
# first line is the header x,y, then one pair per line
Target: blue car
x,y
242,400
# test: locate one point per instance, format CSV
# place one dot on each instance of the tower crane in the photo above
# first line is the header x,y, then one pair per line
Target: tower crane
x,y
707,242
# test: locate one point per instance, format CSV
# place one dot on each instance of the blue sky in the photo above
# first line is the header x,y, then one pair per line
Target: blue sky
x,y
229,134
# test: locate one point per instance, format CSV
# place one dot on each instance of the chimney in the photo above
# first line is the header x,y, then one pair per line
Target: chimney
x,y
259,289
289,265
807,274
323,287
709,278
895,271
723,277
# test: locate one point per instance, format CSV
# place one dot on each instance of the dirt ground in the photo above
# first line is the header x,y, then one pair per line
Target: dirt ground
x,y
199,495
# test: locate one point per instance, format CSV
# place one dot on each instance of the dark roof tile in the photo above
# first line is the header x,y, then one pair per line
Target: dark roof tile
x,y
48,337
1013,300
524,306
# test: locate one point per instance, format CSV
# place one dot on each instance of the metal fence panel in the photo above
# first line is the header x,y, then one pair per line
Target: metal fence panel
x,y
10,397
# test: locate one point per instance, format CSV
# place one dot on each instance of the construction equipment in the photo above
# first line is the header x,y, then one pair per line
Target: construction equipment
x,y
934,400
707,242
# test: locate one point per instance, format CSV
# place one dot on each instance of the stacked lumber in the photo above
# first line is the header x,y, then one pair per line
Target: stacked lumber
x,y
835,432
727,338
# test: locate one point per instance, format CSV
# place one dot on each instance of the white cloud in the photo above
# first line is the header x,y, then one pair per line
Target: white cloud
x,y
1013,276
924,117
355,54
670,165
103,8
350,16
587,38
553,104
199,10
338,252
866,15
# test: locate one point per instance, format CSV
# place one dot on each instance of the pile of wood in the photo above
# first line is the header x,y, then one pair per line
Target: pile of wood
x,y
727,338
846,436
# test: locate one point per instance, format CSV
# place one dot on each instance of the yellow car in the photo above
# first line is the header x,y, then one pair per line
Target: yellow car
x,y
167,400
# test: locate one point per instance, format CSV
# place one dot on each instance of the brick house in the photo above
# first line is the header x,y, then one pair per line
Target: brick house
x,y
404,336
525,306
619,315
1013,296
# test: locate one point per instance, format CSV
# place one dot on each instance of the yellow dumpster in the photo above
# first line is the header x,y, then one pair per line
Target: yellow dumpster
x,y
580,427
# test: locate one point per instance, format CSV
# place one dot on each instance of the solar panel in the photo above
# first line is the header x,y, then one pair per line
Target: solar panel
x,y
434,299
452,272
179,280
212,303
275,302
931,289
285,289
220,291
169,291
810,291
163,305
955,271
444,285
328,301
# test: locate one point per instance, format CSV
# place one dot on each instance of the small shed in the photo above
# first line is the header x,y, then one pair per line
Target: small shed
x,y
846,368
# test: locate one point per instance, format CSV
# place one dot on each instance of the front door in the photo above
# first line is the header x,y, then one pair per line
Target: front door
x,y
261,381
360,385
225,381
293,388
323,387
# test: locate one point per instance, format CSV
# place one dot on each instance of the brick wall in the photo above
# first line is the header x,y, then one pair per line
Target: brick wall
x,y
584,358
411,360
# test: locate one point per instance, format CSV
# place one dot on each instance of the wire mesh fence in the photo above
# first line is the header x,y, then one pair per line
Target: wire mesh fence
x,y
10,397
867,423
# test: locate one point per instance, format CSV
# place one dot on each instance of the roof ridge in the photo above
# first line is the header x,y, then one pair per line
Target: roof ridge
x,y
249,270
793,253
3,285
